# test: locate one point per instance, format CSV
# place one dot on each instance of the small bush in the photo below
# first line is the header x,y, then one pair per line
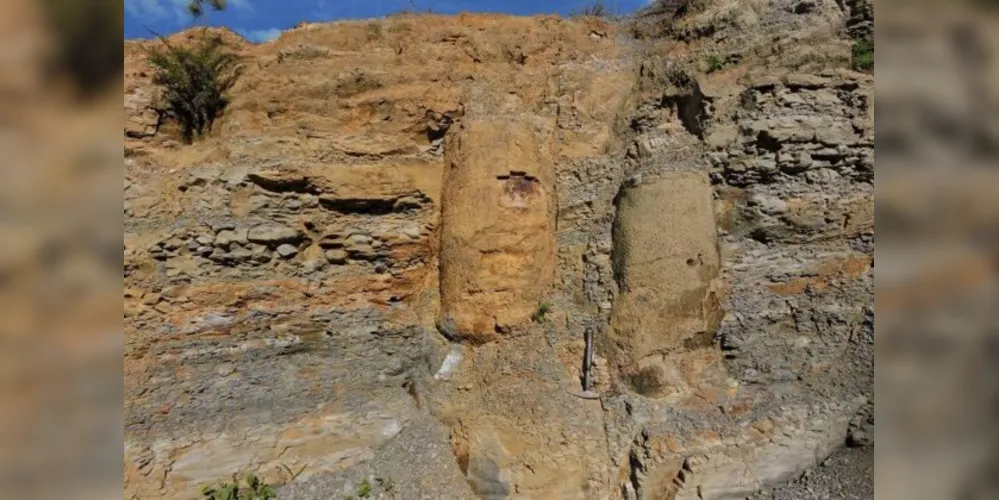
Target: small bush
x,y
715,62
364,489
196,81
255,489
367,490
374,32
596,9
863,55
539,315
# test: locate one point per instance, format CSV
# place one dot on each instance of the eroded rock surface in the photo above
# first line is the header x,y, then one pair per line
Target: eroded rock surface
x,y
666,261
497,227
381,265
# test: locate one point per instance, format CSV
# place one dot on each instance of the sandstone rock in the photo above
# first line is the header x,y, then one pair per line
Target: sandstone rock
x,y
374,145
173,244
769,204
227,237
724,475
721,136
361,251
422,147
804,80
240,254
324,442
151,299
312,266
285,180
803,161
413,232
141,120
273,234
497,226
336,256
358,239
666,261
286,251
861,430
835,132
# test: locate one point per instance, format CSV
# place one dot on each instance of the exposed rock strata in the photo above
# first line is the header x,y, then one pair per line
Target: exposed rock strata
x,y
382,195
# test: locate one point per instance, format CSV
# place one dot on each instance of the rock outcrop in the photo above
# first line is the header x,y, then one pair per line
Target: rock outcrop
x,y
666,262
381,264
497,227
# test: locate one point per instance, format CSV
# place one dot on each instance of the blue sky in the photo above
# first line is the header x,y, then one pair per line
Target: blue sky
x,y
262,20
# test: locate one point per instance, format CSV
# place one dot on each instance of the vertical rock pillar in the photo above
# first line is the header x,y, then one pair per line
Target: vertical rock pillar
x,y
497,227
665,261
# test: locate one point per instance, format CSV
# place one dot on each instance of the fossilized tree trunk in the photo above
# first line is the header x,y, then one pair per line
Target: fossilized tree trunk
x,y
497,227
665,262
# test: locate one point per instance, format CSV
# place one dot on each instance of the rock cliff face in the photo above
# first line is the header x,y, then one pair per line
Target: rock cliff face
x,y
382,262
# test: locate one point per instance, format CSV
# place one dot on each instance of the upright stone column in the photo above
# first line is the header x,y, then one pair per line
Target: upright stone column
x,y
497,227
665,261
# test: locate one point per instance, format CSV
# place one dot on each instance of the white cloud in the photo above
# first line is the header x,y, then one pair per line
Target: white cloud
x,y
148,9
260,36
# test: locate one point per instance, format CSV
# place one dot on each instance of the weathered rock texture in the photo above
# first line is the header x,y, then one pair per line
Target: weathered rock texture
x,y
497,227
666,262
383,197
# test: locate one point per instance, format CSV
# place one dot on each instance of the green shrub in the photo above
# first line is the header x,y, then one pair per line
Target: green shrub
x,y
364,489
255,489
367,490
196,81
863,55
543,309
715,62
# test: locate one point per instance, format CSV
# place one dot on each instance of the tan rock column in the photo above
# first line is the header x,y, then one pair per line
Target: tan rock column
x,y
665,262
497,227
